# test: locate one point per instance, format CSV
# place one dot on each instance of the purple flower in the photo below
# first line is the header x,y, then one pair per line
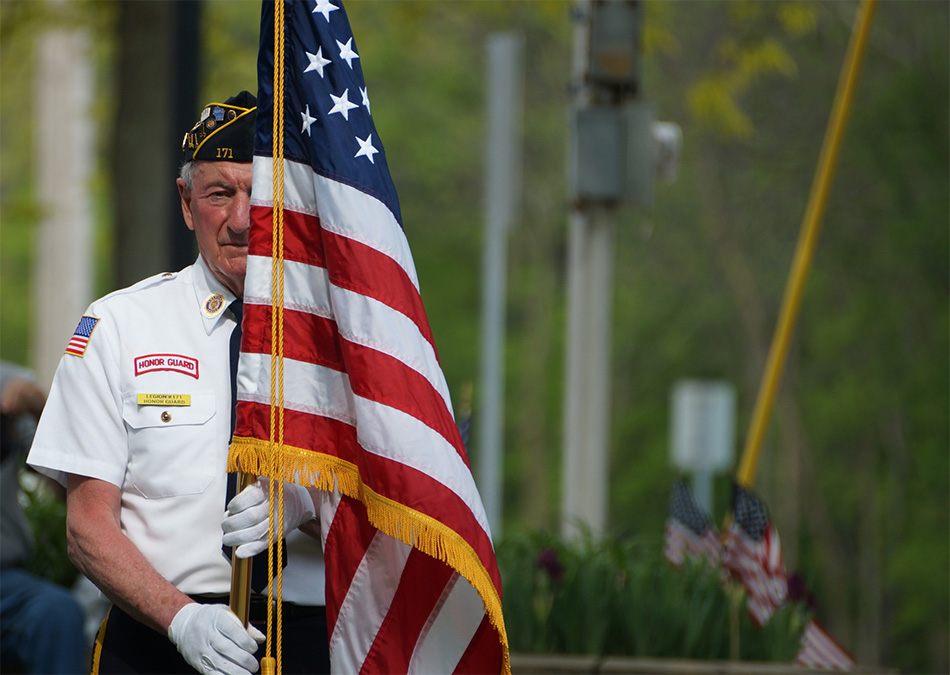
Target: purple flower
x,y
798,590
548,561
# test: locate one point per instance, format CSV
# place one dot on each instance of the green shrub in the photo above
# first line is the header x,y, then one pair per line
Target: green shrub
x,y
619,597
47,517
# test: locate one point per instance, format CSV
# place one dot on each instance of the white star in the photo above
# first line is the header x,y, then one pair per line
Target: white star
x,y
342,105
324,7
365,99
307,120
366,149
347,53
317,62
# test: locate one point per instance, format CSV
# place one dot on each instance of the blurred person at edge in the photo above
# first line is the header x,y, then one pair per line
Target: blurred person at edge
x,y
41,624
137,426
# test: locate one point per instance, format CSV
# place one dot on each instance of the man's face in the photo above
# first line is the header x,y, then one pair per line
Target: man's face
x,y
218,209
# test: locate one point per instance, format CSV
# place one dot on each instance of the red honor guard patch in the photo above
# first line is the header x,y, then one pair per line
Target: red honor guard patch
x,y
174,362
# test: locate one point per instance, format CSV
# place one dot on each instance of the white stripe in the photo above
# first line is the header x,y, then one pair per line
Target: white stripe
x,y
381,430
359,318
821,651
343,210
306,288
329,503
366,603
449,630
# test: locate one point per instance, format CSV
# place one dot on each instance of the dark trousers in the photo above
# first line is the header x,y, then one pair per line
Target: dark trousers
x,y
124,645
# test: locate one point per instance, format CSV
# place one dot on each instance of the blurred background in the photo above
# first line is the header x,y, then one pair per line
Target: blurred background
x,y
855,466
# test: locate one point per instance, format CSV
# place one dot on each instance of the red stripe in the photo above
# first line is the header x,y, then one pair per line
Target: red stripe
x,y
302,236
421,585
373,375
307,337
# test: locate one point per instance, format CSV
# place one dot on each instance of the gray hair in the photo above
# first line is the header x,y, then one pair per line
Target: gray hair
x,y
187,174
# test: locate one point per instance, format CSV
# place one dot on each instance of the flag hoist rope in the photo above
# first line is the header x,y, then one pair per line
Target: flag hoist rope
x,y
241,576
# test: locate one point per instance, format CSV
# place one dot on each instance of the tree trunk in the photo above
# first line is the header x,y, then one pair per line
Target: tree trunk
x,y
142,146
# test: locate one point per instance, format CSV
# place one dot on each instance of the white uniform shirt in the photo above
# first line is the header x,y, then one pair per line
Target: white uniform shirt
x,y
147,407
105,418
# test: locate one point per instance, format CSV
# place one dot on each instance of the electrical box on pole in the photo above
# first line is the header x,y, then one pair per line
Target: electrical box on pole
x,y
614,56
613,155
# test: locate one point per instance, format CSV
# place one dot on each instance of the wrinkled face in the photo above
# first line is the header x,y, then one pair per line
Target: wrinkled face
x,y
218,208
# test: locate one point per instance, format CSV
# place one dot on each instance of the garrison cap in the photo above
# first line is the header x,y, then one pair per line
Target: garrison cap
x,y
224,132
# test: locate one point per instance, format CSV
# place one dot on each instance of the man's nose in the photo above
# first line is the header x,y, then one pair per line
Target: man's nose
x,y
241,217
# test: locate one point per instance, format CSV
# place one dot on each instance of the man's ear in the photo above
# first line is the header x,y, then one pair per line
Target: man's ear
x,y
185,194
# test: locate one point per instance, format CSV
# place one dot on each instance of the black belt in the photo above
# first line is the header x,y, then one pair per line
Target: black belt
x,y
257,608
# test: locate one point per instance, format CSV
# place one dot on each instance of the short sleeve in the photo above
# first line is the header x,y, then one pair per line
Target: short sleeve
x,y
81,430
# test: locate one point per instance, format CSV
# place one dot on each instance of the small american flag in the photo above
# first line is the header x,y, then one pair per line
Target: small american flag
x,y
80,339
689,530
753,554
820,650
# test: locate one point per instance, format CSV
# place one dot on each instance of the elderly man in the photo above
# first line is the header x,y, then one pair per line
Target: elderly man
x,y
137,427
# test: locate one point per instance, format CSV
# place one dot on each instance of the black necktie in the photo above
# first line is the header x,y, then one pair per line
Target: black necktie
x,y
259,565
237,309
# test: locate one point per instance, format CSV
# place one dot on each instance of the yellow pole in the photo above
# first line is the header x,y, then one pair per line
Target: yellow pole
x,y
241,569
808,237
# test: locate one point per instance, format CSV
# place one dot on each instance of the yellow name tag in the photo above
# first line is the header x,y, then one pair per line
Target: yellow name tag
x,y
164,399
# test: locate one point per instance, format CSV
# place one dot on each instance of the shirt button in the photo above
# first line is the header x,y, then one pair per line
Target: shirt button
x,y
166,416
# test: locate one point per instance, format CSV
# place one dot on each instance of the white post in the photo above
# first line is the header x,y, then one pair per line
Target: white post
x,y
502,190
587,386
63,269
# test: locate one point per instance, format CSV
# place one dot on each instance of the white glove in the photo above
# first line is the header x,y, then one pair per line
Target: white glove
x,y
245,527
212,640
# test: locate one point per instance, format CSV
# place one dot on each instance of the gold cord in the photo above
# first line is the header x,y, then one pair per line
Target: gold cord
x,y
275,571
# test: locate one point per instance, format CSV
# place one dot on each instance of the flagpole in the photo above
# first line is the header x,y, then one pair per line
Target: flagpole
x,y
241,569
808,237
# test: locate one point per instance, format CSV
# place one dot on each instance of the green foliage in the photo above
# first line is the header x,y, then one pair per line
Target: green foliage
x,y
617,597
744,55
47,517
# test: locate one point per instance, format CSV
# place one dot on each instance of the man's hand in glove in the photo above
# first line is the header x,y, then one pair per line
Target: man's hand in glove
x,y
212,640
246,524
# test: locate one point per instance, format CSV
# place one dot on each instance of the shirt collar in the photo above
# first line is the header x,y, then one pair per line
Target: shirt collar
x,y
212,297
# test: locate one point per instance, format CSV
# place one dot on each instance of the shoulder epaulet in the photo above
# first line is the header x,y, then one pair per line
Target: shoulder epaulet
x,y
154,280
146,283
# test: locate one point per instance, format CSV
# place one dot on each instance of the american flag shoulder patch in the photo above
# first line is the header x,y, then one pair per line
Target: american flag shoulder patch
x,y
80,339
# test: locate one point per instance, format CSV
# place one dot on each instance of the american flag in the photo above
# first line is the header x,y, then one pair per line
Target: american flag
x,y
412,581
820,650
80,339
689,530
753,554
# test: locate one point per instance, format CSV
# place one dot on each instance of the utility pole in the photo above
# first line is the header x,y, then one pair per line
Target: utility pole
x,y
505,53
616,150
